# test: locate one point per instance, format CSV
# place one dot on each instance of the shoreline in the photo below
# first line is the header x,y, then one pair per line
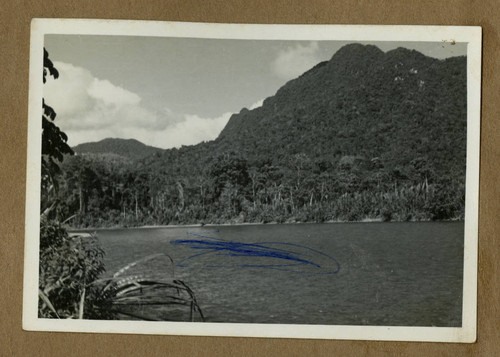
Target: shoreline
x,y
199,225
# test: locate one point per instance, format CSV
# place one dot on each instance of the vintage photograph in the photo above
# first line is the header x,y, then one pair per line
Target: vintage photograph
x,y
253,180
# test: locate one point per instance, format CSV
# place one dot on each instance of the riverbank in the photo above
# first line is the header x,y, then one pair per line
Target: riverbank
x,y
201,225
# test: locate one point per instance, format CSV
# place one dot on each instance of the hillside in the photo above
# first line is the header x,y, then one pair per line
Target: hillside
x,y
365,135
396,106
129,148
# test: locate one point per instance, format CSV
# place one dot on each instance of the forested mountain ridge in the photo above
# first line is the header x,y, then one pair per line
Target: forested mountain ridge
x,y
129,148
366,134
395,106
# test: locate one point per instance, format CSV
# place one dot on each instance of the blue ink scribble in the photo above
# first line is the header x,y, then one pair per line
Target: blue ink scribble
x,y
270,255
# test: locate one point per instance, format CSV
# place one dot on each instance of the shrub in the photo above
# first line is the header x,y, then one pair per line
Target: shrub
x,y
68,267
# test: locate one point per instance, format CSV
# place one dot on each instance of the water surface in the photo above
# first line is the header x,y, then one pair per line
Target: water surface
x,y
355,274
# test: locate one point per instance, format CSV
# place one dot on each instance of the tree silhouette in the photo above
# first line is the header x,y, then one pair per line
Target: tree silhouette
x,y
54,145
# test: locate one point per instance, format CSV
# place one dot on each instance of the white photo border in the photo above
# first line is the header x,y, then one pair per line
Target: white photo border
x,y
468,34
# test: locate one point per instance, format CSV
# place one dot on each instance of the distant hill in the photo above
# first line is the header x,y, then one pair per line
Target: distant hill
x,y
129,148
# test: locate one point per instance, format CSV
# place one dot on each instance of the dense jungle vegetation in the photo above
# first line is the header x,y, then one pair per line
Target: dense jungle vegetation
x,y
366,135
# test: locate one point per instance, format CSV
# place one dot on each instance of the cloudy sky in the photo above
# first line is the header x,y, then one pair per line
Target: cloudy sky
x,y
169,92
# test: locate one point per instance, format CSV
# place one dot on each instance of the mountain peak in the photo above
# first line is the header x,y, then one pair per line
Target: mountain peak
x,y
402,53
356,50
354,58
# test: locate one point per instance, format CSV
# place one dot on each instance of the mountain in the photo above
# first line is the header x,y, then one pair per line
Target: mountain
x,y
364,135
129,148
396,106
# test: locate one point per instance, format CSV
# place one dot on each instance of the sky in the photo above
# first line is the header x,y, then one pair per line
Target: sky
x,y
169,92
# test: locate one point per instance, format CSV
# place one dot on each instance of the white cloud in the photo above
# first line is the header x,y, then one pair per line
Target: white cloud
x,y
111,94
190,131
83,102
91,109
293,61
257,104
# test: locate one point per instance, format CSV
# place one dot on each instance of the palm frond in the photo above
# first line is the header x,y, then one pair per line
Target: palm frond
x,y
136,291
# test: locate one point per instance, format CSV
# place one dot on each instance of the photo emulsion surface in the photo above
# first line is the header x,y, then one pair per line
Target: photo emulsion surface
x,y
252,181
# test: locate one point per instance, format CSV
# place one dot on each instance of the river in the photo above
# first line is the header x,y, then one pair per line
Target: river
x,y
399,274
